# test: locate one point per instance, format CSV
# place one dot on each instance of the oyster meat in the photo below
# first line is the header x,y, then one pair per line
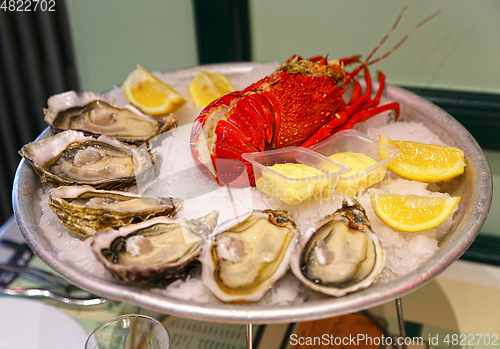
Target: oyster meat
x,y
155,250
96,115
340,254
245,256
71,157
85,210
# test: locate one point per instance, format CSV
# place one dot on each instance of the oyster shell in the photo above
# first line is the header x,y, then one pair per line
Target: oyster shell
x,y
85,210
247,255
70,158
340,254
155,250
96,115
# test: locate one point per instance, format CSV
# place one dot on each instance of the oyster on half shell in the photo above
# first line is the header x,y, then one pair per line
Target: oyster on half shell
x,y
71,158
340,254
155,250
96,115
85,210
245,256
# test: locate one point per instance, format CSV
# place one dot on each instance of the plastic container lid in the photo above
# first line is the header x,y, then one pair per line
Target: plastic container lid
x,y
357,142
295,190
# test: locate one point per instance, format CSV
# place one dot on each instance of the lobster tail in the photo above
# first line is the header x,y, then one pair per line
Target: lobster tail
x,y
228,127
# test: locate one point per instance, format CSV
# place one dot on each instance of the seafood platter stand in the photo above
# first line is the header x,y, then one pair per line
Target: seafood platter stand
x,y
474,187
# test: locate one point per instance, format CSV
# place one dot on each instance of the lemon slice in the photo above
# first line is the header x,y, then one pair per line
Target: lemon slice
x,y
207,87
149,94
413,213
424,162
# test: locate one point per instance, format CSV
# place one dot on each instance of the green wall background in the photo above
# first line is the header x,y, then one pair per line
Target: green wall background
x,y
110,37
457,50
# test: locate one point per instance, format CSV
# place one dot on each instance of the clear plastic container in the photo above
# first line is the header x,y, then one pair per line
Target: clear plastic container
x,y
357,142
290,190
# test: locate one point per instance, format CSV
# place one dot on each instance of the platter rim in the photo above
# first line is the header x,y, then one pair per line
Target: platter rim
x,y
260,314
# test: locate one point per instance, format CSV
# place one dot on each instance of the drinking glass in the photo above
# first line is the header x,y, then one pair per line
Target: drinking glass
x,y
131,331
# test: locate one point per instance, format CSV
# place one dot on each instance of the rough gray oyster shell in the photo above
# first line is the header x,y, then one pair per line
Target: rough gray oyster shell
x,y
245,256
156,250
85,210
72,158
97,115
340,254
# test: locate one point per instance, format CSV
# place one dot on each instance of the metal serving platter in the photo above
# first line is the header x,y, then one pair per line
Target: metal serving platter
x,y
474,186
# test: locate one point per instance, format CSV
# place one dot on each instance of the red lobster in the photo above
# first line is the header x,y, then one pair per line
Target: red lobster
x,y
299,104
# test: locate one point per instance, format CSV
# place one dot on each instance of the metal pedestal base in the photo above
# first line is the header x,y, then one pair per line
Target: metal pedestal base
x,y
249,336
401,323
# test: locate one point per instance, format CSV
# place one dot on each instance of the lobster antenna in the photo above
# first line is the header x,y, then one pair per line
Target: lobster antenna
x,y
412,30
386,35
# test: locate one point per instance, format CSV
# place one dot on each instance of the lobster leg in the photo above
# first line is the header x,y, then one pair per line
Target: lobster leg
x,y
349,60
374,102
353,74
326,130
364,115
368,80
356,93
322,60
361,109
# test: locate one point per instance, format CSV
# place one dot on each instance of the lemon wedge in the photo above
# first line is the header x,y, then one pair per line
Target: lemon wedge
x,y
412,213
207,87
150,94
424,162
